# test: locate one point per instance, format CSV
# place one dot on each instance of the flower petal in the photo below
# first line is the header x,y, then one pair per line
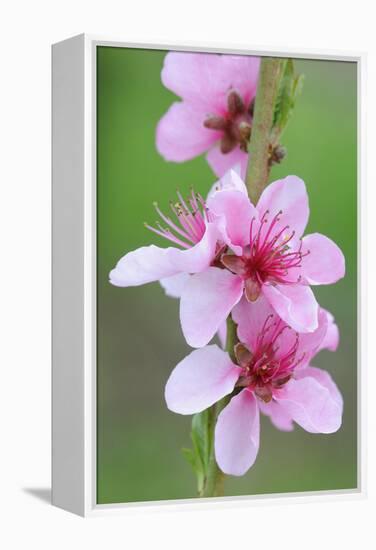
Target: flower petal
x,y
206,78
238,211
230,181
173,286
250,318
313,401
141,266
237,434
222,334
310,342
220,163
325,263
290,196
331,338
206,301
181,134
200,380
152,263
199,257
278,416
295,304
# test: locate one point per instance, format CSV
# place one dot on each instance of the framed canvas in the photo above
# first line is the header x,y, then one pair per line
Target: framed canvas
x,y
211,357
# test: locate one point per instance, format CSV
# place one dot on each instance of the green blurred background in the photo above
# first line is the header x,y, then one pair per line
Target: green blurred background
x,y
139,337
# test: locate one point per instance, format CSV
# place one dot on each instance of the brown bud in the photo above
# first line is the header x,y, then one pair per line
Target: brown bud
x,y
214,122
252,289
243,355
235,103
227,143
277,154
264,393
245,130
233,263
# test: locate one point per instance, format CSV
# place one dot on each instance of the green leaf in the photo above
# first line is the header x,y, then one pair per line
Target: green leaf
x,y
199,455
191,457
289,88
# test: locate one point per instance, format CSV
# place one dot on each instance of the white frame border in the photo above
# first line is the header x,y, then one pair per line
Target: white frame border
x,y
86,505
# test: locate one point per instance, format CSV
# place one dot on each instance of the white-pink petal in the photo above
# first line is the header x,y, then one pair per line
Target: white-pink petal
x,y
278,416
141,266
200,380
310,342
331,338
313,401
237,434
222,334
174,285
325,263
290,196
199,257
152,263
295,304
250,318
230,181
221,163
181,134
237,211
207,300
204,79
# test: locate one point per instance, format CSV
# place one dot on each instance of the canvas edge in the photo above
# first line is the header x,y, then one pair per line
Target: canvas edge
x,y
88,505
68,319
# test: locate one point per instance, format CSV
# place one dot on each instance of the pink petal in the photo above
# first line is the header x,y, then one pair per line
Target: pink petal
x,y
331,338
324,378
144,265
206,78
237,434
220,163
181,134
250,318
295,304
325,263
238,211
222,334
290,196
310,342
242,71
173,286
200,380
278,416
152,263
206,302
313,401
230,181
199,257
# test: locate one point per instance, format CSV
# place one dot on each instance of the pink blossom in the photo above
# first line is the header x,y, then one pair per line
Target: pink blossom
x,y
229,248
197,235
266,255
272,374
215,113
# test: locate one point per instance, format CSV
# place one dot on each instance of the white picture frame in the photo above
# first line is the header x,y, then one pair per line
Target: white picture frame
x,y
74,278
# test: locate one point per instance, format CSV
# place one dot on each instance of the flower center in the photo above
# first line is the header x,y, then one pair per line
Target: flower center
x,y
269,258
268,368
191,217
235,124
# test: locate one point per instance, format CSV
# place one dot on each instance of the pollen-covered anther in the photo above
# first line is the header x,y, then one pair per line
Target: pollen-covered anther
x,y
191,219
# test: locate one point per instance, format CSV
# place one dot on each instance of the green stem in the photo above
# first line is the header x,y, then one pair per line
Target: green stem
x,y
214,483
258,165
